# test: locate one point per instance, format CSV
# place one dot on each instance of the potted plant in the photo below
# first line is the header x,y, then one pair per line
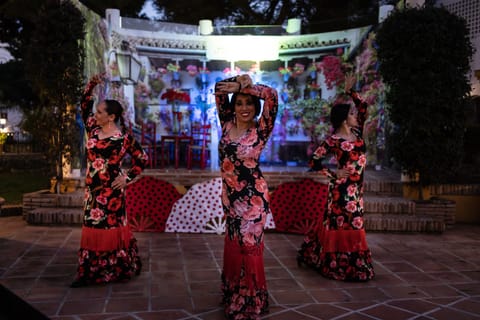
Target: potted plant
x,y
174,69
298,69
192,70
312,70
285,72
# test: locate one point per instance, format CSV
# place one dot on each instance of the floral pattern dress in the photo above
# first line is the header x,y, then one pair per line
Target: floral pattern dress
x,y
108,251
337,247
245,202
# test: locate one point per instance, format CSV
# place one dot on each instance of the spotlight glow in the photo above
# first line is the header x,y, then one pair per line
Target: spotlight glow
x,y
235,48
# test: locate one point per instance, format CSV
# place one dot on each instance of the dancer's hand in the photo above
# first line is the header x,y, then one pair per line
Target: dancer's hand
x,y
245,81
350,80
227,87
120,182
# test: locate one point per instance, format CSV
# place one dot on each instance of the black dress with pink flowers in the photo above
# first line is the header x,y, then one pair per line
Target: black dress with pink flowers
x,y
108,251
337,247
245,201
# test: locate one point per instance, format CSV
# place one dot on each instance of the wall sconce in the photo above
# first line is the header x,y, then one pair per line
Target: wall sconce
x,y
3,120
3,124
129,67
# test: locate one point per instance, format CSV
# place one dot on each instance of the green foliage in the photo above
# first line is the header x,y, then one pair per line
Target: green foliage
x,y
316,15
16,27
314,115
15,90
54,66
128,8
424,56
14,185
3,138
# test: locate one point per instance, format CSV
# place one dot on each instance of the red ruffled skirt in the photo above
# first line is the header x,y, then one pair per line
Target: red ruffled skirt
x,y
244,287
107,255
338,254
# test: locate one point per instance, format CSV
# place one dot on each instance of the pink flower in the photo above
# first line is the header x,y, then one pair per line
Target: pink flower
x,y
252,213
240,207
320,152
351,206
351,190
249,163
362,160
91,143
256,201
346,145
98,164
261,186
96,214
357,222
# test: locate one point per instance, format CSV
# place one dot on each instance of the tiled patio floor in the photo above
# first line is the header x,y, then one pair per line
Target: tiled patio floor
x,y
419,276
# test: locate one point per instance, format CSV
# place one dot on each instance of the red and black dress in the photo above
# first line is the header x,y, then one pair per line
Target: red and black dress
x,y
108,251
337,248
245,201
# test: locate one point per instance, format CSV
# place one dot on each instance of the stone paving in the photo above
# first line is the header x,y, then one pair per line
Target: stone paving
x,y
418,276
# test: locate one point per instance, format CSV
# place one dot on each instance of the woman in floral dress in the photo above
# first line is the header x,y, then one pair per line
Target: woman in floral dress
x,y
108,251
337,247
245,196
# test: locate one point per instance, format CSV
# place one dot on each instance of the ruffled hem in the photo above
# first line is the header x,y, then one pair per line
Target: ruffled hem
x,y
343,240
105,239
338,265
243,303
244,288
97,267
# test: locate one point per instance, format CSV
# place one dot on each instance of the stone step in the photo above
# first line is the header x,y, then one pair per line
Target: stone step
x,y
387,204
379,187
55,216
385,222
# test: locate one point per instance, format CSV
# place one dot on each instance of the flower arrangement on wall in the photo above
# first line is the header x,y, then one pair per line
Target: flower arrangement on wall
x,y
298,69
156,84
231,73
175,96
372,89
192,70
173,67
334,69
161,71
369,85
314,115
312,67
285,70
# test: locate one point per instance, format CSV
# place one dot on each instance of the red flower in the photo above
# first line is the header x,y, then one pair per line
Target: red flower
x,y
114,204
176,95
